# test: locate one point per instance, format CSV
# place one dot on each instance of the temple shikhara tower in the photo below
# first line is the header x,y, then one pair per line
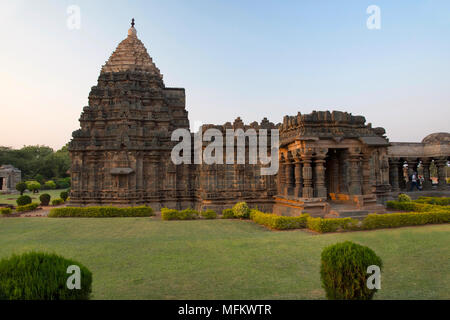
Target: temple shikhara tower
x,y
121,155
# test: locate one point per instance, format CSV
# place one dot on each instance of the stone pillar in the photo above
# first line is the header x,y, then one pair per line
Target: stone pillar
x,y
298,178
355,177
289,172
394,164
441,165
366,185
308,190
281,178
319,183
426,174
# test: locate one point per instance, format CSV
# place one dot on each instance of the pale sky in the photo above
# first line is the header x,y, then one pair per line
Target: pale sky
x,y
247,58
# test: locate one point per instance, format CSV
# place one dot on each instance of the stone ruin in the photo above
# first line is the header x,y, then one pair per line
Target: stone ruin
x,y
121,155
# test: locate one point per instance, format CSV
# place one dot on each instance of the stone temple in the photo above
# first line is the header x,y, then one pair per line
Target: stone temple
x,y
121,155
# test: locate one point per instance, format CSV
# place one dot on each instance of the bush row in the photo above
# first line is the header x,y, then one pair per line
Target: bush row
x,y
101,212
27,207
415,206
5,211
277,222
444,201
187,214
394,220
322,225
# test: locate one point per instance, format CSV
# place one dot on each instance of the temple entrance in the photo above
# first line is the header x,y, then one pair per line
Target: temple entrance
x,y
1,183
336,173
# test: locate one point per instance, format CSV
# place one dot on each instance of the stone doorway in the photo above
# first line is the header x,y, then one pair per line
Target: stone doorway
x,y
336,173
1,183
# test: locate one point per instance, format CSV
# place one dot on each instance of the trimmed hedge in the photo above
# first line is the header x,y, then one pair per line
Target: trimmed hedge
x,y
27,207
277,222
5,211
57,202
343,271
241,210
331,225
45,199
41,276
64,195
23,200
101,212
173,214
394,220
414,206
209,214
444,201
403,198
228,214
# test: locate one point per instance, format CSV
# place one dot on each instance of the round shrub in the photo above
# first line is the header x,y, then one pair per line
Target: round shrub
x,y
45,199
21,187
50,185
344,271
404,198
33,186
41,276
209,214
23,200
227,214
241,210
64,195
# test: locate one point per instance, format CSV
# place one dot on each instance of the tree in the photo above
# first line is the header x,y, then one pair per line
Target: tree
x,y
33,186
21,187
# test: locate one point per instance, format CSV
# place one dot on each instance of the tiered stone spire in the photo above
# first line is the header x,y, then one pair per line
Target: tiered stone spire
x,y
131,55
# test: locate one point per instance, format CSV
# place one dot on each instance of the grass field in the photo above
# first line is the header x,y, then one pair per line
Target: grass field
x,y
11,198
146,258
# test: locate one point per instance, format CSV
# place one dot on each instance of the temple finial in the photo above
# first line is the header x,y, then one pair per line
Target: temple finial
x,y
132,23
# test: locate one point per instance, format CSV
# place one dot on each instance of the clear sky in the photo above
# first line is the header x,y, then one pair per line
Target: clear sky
x,y
245,58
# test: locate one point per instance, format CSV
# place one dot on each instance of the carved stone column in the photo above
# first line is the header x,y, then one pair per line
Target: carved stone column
x,y
281,178
441,165
394,164
298,177
319,168
366,185
289,172
355,177
427,185
308,190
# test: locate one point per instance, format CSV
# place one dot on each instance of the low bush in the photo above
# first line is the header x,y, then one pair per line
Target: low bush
x,y
23,200
227,214
394,220
209,214
27,207
45,199
101,212
415,206
277,222
5,211
173,214
403,198
57,202
49,185
64,195
444,201
241,210
331,225
41,276
343,271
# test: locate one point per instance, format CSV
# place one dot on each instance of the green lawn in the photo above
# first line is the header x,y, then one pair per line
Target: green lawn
x,y
146,258
11,198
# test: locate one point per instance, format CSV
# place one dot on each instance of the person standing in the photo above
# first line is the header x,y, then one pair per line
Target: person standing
x,y
414,182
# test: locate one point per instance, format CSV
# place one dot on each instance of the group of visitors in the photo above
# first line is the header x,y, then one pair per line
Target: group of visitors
x,y
416,181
